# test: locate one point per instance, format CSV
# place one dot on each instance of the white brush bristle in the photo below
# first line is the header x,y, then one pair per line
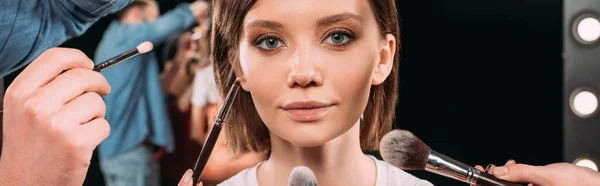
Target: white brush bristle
x,y
404,150
144,47
302,176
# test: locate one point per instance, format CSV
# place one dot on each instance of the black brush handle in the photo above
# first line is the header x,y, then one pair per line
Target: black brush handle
x,y
209,145
207,150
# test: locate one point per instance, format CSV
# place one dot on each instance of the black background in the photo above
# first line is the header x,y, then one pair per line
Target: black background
x,y
480,81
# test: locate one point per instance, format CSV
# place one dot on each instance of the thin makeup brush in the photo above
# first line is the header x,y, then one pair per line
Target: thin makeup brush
x,y
140,49
209,145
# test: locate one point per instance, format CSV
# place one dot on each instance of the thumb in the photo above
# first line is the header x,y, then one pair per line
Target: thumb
x,y
521,173
186,180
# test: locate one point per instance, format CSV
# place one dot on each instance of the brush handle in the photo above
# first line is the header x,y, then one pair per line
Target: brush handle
x,y
116,60
214,133
448,167
207,150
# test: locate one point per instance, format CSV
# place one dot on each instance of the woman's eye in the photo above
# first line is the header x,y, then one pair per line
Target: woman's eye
x,y
269,43
338,39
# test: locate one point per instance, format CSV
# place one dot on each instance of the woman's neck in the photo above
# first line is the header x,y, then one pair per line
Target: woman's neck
x,y
340,161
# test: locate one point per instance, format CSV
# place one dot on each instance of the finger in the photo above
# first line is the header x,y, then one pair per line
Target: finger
x,y
47,66
82,109
521,173
186,180
72,84
479,167
510,162
93,132
489,168
200,184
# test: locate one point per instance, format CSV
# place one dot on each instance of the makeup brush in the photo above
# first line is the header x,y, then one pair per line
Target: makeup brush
x,y
209,145
302,176
404,150
140,49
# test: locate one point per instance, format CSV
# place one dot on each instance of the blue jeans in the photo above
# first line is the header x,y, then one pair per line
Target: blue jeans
x,y
137,167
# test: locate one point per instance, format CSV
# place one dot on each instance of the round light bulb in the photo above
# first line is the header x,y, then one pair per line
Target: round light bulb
x,y
584,103
588,29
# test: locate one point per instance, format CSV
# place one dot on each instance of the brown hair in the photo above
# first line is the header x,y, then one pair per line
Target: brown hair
x,y
247,132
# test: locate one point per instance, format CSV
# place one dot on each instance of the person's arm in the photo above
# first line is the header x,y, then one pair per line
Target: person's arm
x,y
97,8
76,16
198,125
223,163
178,19
556,174
36,26
184,99
175,78
199,108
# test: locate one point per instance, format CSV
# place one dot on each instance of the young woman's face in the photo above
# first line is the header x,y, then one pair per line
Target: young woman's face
x,y
309,65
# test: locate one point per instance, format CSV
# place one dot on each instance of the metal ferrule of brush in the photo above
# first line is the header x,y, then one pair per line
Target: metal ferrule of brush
x,y
446,166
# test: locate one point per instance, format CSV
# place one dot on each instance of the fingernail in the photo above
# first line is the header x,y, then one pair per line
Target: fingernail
x,y
511,161
489,168
500,171
187,177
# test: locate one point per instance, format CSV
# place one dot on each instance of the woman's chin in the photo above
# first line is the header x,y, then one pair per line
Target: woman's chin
x,y
308,142
310,138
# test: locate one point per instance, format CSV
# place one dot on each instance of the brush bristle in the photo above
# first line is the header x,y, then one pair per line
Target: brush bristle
x,y
404,150
145,47
302,176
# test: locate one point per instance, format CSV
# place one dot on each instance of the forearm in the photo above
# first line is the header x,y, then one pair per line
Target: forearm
x,y
100,8
224,164
171,22
37,26
198,125
175,79
244,161
184,100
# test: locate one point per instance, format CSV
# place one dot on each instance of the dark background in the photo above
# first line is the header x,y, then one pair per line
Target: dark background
x,y
480,81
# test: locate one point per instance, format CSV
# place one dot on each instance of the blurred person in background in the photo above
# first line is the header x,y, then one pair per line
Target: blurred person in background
x,y
138,115
223,163
188,79
192,61
182,56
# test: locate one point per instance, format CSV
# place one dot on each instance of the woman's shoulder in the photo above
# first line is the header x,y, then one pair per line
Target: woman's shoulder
x,y
388,175
246,177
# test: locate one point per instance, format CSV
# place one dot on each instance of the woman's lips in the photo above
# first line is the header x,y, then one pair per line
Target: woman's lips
x,y
307,110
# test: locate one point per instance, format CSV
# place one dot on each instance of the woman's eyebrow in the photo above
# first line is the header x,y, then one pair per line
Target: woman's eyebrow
x,y
264,24
329,20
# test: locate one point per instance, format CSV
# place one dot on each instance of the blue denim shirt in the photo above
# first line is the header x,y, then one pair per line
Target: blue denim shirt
x,y
30,27
135,108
